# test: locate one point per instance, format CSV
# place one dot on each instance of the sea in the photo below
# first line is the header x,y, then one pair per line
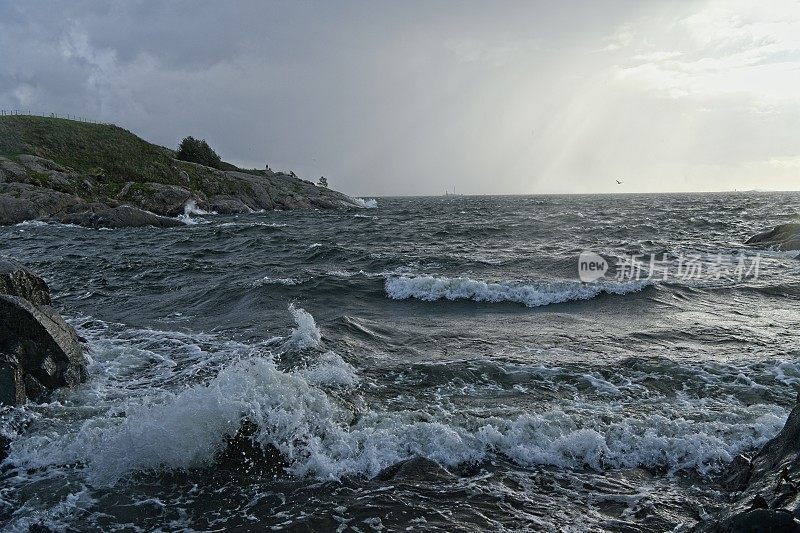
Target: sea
x,y
457,363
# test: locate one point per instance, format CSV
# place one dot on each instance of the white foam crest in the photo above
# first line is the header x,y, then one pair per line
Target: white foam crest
x,y
369,203
190,208
429,288
44,224
266,280
306,334
188,428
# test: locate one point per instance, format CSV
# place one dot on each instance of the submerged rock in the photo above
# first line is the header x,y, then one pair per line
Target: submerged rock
x,y
38,350
243,453
124,216
783,237
417,468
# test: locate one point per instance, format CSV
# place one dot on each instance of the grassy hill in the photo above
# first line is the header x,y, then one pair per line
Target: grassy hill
x,y
106,164
94,149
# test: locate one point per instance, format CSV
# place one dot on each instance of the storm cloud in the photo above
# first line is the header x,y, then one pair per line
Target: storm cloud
x,y
414,97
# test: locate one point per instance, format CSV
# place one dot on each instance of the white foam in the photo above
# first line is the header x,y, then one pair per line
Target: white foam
x,y
331,370
431,288
147,428
190,208
306,334
266,280
369,203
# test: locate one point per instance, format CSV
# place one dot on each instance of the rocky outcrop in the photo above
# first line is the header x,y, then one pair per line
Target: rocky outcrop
x,y
39,352
35,188
22,201
16,280
124,216
765,488
782,237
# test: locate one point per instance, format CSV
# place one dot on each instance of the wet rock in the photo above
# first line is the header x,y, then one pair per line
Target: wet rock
x,y
244,454
768,491
38,350
5,443
124,216
738,474
782,237
760,521
17,280
415,469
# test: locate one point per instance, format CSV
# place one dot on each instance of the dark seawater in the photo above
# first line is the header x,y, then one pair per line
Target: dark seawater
x,y
354,340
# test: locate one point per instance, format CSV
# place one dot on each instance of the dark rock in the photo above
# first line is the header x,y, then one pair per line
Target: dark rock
x,y
766,492
45,346
228,205
760,521
782,237
738,474
21,201
244,454
415,469
5,443
159,198
38,350
12,381
759,503
124,216
17,280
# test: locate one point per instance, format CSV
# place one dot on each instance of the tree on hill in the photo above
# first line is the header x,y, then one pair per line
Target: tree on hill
x,y
323,182
198,151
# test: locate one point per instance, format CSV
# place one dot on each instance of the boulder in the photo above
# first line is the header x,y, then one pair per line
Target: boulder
x,y
228,205
38,350
782,237
17,280
123,216
168,200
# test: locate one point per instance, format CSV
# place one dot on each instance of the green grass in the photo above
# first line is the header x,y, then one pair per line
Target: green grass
x,y
99,150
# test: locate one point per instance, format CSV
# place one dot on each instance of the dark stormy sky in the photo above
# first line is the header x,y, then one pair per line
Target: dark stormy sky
x,y
414,97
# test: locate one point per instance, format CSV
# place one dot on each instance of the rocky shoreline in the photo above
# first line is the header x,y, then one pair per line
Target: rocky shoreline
x,y
104,176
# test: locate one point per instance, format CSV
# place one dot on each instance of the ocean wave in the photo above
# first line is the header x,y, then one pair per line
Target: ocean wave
x,y
266,280
369,203
306,334
320,438
324,439
429,288
190,208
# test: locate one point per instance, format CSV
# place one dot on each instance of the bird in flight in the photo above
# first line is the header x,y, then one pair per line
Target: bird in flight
x,y
619,182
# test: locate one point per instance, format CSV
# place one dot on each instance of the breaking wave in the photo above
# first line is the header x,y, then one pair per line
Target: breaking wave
x,y
429,288
324,438
369,203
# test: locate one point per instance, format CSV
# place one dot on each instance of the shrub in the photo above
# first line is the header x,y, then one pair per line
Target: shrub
x,y
198,151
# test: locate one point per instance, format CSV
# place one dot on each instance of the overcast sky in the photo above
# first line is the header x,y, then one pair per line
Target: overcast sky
x,y
389,98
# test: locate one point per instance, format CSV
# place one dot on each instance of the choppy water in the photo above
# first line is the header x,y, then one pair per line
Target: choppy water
x,y
452,328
